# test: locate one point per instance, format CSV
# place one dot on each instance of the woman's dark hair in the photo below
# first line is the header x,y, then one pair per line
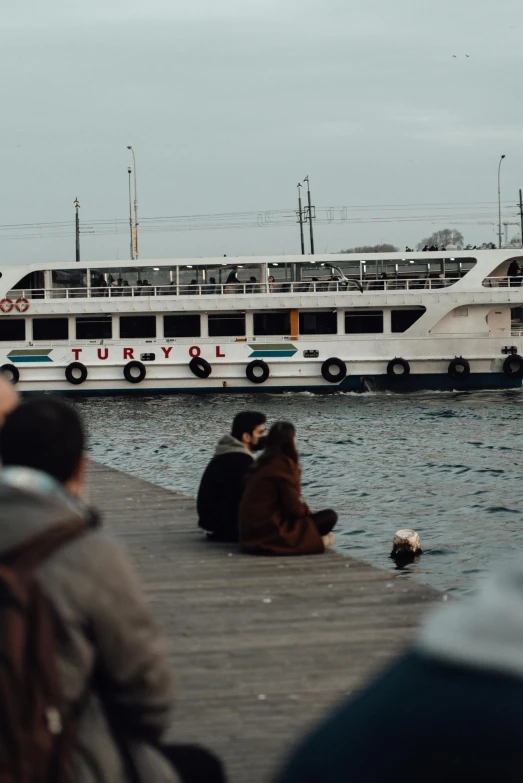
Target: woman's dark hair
x,y
280,443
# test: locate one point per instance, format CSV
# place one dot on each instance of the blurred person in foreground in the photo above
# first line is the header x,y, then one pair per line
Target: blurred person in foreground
x,y
112,660
222,483
273,519
9,398
450,710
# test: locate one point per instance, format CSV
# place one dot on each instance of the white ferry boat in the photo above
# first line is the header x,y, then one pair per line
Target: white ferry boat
x,y
347,322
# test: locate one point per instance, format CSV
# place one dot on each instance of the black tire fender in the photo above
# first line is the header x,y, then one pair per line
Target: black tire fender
x,y
128,374
334,377
513,366
70,377
200,367
254,377
11,372
459,368
398,369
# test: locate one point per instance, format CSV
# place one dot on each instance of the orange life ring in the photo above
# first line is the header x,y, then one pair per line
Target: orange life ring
x,y
6,305
22,304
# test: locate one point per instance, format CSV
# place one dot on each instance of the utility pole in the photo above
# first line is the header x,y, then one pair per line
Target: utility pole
x,y
131,251
77,224
521,215
129,147
300,220
499,200
310,213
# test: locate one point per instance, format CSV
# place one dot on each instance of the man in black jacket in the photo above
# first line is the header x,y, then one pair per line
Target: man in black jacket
x,y
221,486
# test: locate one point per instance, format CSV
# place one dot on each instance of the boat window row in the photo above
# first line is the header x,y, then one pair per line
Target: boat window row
x,y
229,278
132,327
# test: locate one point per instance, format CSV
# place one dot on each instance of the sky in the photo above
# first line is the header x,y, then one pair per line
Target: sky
x,y
228,104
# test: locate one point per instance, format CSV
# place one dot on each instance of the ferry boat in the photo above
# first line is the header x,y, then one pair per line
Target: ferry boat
x,y
346,322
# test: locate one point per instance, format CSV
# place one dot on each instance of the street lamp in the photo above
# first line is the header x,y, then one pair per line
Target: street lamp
x,y
499,199
129,147
300,219
129,172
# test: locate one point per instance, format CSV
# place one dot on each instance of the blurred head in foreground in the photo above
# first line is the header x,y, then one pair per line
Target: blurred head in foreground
x,y
47,435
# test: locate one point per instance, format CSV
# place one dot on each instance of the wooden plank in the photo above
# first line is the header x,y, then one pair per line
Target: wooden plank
x,y
262,647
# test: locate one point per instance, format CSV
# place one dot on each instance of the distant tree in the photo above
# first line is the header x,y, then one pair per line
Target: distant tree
x,y
384,248
447,236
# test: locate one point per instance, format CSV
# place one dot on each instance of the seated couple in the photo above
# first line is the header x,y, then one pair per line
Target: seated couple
x,y
258,502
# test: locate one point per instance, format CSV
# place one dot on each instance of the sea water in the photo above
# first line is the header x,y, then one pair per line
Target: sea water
x,y
448,465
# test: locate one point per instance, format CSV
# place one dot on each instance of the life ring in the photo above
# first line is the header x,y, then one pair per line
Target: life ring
x,y
398,368
128,372
76,373
513,366
6,305
459,368
11,372
262,374
22,304
200,367
339,367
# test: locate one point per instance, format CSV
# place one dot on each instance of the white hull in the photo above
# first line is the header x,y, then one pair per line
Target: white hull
x,y
465,316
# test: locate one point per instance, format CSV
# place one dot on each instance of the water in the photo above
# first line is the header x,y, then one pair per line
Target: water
x,y
446,464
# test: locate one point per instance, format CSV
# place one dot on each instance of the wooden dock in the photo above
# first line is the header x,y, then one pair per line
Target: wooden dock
x,y
261,647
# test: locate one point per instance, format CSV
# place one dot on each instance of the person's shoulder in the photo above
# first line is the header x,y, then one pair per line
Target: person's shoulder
x,y
236,457
281,465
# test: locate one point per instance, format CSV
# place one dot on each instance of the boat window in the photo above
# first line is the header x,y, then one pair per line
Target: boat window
x,y
181,326
227,325
364,322
12,329
319,322
137,326
50,329
94,327
272,323
73,279
32,284
401,320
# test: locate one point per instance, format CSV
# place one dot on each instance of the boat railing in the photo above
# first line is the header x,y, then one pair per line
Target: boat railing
x,y
370,285
503,282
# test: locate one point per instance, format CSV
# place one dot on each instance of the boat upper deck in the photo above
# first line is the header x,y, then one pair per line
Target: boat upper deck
x,y
343,273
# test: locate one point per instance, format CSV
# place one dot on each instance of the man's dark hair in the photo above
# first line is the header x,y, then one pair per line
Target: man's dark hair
x,y
246,422
45,434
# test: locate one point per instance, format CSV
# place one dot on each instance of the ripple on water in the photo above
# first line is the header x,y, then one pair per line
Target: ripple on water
x,y
384,461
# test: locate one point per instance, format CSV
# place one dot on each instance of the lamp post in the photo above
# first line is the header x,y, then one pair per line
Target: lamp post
x,y
129,147
77,227
131,251
499,200
300,220
310,213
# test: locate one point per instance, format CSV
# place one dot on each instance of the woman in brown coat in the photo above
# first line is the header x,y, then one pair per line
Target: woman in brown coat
x,y
273,519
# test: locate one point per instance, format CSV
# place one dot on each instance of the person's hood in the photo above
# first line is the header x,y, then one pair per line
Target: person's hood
x,y
230,445
26,510
484,631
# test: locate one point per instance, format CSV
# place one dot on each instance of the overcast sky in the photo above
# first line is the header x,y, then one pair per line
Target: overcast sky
x,y
229,103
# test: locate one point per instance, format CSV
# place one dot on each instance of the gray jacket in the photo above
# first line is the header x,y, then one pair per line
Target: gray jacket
x,y
99,603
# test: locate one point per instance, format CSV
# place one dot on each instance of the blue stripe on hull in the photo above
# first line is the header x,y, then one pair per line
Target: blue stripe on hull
x,y
353,383
29,359
273,354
